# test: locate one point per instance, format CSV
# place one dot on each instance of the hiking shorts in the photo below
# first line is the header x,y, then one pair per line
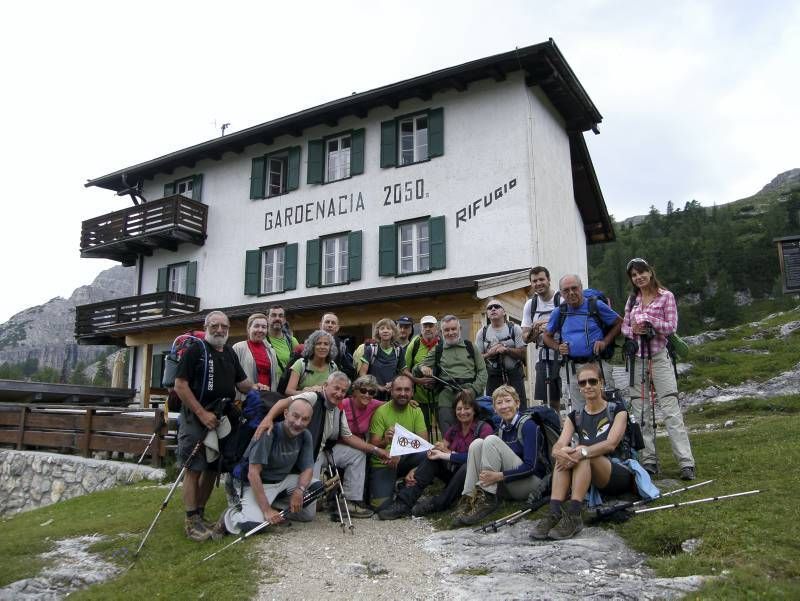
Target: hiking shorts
x,y
621,481
191,431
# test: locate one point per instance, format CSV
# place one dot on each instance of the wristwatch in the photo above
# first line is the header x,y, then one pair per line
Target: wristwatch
x,y
584,452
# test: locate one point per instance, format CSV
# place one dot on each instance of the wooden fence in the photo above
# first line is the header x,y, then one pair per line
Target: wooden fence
x,y
88,429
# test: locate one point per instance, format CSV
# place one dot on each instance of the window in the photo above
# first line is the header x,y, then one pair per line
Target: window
x,y
412,138
412,246
180,278
272,261
333,260
190,187
270,269
275,173
337,157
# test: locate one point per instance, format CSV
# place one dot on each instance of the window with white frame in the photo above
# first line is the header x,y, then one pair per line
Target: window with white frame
x,y
337,158
276,175
413,139
334,260
414,246
272,269
184,187
176,278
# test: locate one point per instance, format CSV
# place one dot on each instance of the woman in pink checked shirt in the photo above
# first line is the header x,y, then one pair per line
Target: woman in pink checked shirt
x,y
651,315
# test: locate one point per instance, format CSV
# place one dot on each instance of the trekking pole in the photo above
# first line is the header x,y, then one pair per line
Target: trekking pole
x,y
339,495
696,501
602,514
642,343
513,518
569,385
543,357
146,447
652,390
308,498
164,503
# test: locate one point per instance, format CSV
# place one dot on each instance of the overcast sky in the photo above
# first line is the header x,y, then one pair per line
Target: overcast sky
x,y
698,99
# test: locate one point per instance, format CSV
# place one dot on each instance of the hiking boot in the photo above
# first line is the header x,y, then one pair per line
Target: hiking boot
x,y
483,504
219,531
687,473
544,526
464,506
359,510
651,468
568,526
196,530
424,506
394,511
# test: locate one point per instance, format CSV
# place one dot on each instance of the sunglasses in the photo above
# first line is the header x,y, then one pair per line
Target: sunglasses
x,y
588,382
490,307
636,260
370,391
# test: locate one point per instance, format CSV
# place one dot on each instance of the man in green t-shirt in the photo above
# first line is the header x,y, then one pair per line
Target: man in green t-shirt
x,y
381,431
416,351
282,343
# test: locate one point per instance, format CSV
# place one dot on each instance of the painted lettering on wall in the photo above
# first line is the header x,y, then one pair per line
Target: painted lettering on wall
x,y
471,210
313,211
403,192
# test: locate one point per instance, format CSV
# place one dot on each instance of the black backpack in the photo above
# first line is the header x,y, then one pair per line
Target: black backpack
x,y
549,424
592,296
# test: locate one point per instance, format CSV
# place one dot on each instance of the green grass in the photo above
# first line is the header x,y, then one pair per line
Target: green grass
x,y
722,363
169,564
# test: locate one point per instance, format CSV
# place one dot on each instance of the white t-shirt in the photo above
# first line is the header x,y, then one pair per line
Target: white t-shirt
x,y
543,310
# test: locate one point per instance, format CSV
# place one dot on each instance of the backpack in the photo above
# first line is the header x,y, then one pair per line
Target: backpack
x,y
535,302
510,337
235,448
632,440
486,411
287,373
371,350
344,359
180,345
549,424
592,296
437,358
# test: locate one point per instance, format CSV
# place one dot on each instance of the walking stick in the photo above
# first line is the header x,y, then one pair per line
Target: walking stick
x,y
652,390
309,497
513,518
147,446
696,501
604,514
334,473
164,503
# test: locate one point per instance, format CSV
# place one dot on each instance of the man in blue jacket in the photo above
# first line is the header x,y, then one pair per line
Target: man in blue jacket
x,y
581,335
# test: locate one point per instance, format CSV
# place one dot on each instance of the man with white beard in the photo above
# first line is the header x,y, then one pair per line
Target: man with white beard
x,y
208,376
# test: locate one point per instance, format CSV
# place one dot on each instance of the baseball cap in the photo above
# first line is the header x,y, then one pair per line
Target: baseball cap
x,y
405,320
428,319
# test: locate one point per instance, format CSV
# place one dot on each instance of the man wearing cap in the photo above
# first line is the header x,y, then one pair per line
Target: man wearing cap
x,y
208,375
405,325
500,342
416,351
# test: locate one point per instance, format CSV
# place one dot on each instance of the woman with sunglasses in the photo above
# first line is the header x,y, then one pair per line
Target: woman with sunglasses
x,y
446,461
583,458
361,404
651,315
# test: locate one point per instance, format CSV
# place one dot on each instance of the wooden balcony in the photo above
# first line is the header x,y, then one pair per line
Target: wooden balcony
x,y
95,323
164,223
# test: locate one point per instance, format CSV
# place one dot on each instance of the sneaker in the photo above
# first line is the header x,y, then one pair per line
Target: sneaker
x,y
424,506
483,504
359,510
687,473
543,527
196,530
219,531
568,526
394,511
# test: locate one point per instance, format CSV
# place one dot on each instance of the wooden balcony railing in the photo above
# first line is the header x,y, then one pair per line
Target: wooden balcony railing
x,y
92,322
163,223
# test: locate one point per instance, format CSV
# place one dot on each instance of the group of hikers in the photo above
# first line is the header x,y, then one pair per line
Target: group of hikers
x,y
324,413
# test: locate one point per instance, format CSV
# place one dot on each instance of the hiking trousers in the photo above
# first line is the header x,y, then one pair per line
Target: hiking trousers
x,y
492,454
382,478
426,472
666,388
250,515
353,464
513,377
543,366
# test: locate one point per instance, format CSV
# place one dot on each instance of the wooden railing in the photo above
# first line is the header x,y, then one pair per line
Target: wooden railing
x,y
88,429
174,218
93,319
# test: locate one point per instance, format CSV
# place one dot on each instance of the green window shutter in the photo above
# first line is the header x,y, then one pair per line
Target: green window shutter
x,y
191,278
438,254
293,169
197,186
436,132
388,143
357,152
252,272
258,177
161,282
157,370
312,263
169,189
290,267
387,250
354,256
316,162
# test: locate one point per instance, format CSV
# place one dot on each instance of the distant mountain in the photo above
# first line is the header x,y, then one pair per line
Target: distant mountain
x,y
46,333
